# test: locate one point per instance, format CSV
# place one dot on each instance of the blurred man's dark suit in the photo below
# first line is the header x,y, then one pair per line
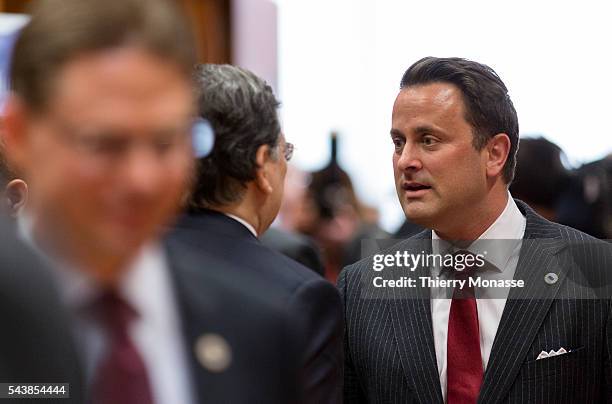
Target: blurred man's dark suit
x,y
35,342
312,304
390,354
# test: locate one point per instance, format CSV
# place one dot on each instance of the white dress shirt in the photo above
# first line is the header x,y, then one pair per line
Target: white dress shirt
x,y
243,222
503,253
156,332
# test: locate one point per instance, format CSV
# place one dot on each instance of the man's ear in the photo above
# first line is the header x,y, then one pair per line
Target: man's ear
x,y
16,194
263,159
14,131
498,149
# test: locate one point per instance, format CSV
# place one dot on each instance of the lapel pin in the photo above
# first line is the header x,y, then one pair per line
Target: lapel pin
x,y
213,352
551,278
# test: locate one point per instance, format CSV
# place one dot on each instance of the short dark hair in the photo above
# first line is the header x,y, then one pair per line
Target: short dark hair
x,y
242,111
488,107
60,30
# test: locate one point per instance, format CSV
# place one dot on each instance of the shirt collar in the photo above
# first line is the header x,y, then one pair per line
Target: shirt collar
x,y
497,243
146,284
243,222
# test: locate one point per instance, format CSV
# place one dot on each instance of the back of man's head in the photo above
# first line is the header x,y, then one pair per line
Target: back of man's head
x,y
242,110
61,30
488,107
540,177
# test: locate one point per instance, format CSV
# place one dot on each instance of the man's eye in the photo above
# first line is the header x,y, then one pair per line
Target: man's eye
x,y
429,140
398,143
102,144
167,142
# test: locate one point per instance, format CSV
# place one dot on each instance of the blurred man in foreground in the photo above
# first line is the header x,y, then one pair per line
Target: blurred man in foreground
x,y
236,197
100,126
455,136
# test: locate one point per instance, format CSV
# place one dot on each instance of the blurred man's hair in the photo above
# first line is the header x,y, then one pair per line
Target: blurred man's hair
x,y
488,107
242,110
540,176
61,30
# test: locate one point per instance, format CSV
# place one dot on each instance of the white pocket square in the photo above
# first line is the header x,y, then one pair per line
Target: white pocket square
x,y
551,353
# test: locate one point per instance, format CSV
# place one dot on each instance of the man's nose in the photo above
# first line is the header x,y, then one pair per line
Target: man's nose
x,y
409,159
142,171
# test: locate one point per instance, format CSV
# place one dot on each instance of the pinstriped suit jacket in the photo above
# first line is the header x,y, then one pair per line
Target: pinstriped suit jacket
x,y
389,347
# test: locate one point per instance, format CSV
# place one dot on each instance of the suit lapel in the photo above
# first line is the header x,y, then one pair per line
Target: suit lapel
x,y
410,310
523,315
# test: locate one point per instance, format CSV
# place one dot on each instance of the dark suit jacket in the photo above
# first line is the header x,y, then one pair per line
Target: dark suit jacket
x,y
263,353
35,341
389,345
312,304
295,246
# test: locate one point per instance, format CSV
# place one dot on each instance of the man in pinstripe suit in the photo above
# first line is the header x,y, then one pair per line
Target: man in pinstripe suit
x,y
455,133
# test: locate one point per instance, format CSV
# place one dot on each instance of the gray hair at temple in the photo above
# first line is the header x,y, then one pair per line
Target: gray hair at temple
x,y
61,30
242,111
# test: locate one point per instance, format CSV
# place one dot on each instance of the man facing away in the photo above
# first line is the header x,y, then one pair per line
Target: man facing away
x,y
99,123
455,136
236,196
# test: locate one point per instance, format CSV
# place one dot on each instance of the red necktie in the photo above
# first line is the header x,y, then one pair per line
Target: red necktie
x,y
464,363
121,376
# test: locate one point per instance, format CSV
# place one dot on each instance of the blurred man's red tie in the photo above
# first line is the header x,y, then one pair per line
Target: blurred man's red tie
x,y
121,376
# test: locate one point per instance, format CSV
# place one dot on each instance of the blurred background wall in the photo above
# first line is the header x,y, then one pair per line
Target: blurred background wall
x,y
211,22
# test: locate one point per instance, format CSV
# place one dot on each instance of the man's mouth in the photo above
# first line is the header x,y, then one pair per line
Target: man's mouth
x,y
414,186
414,189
